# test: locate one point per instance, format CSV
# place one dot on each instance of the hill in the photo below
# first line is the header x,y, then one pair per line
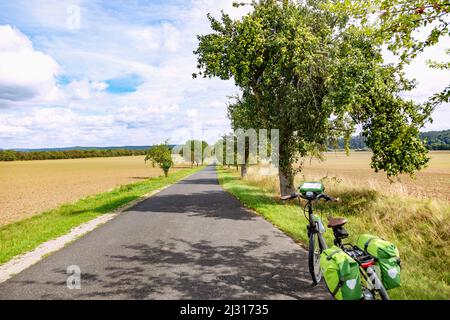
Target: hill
x,y
434,140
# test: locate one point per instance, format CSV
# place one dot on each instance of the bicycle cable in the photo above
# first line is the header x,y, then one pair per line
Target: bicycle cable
x,y
304,212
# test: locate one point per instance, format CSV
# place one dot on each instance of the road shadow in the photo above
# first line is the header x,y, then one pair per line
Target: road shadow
x,y
182,269
207,181
211,204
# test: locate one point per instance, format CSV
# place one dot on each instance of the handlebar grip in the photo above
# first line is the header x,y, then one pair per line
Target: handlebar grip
x,y
329,198
334,199
292,196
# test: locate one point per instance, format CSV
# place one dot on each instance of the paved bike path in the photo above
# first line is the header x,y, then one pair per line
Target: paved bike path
x,y
190,241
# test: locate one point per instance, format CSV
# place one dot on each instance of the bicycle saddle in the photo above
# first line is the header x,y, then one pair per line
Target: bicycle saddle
x,y
336,222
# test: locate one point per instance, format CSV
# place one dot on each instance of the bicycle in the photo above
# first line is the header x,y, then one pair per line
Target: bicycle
x,y
314,191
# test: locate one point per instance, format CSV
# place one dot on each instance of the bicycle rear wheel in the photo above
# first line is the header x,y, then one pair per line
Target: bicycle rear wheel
x,y
382,292
315,249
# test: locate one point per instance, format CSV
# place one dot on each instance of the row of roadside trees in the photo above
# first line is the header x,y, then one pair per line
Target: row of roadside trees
x,y
193,152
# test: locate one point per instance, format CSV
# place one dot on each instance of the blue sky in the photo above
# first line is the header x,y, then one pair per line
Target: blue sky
x,y
121,73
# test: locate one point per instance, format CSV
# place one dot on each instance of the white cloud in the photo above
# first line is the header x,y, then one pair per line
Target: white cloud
x,y
164,37
429,80
25,73
85,89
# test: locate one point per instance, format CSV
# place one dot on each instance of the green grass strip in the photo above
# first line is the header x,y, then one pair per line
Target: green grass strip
x,y
423,275
26,235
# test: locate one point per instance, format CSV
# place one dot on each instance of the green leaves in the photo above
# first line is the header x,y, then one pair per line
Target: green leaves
x,y
194,151
394,140
401,24
160,155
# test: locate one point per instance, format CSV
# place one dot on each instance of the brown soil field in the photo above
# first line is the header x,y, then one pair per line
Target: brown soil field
x,y
30,187
432,182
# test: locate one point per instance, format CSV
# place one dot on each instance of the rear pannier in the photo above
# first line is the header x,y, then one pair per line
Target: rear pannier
x,y
387,257
341,274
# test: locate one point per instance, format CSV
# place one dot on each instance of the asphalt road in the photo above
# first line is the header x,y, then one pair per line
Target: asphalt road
x,y
190,241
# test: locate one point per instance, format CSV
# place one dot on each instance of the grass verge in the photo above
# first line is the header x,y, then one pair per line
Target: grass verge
x,y
26,235
419,227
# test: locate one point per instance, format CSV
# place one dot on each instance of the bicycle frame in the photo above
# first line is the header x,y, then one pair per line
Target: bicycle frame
x,y
313,227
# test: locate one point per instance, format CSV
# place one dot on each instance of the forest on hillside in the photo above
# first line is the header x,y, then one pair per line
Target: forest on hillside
x,y
433,140
436,140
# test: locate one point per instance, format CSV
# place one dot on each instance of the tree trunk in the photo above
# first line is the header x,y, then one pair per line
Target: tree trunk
x,y
166,172
244,166
286,180
243,170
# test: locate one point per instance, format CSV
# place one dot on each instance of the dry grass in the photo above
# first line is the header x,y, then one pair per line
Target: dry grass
x,y
30,187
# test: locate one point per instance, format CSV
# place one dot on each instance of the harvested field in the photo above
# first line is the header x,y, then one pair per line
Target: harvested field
x,y
30,187
432,182
354,172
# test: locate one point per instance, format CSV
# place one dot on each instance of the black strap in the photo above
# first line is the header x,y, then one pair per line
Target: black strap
x,y
366,245
332,254
341,282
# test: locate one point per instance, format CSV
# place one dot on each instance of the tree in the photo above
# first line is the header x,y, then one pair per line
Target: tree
x,y
408,27
314,76
8,155
197,152
240,112
226,150
160,155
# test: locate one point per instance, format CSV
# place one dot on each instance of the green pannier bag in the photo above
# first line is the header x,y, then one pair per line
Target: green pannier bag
x,y
387,256
341,274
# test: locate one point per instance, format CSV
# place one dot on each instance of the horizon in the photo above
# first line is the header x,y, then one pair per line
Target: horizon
x,y
73,147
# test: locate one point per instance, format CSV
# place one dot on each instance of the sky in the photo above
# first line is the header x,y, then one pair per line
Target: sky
x,y
110,73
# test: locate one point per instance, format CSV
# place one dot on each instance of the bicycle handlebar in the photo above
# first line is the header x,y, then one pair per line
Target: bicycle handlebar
x,y
327,198
320,196
290,197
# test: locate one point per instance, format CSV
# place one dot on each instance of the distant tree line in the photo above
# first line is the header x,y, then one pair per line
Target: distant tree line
x,y
12,155
433,140
436,140
355,143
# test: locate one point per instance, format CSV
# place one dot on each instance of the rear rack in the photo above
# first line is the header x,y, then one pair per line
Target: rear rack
x,y
364,260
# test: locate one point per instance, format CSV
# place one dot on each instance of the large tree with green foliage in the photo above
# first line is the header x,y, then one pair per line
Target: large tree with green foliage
x,y
162,156
314,76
